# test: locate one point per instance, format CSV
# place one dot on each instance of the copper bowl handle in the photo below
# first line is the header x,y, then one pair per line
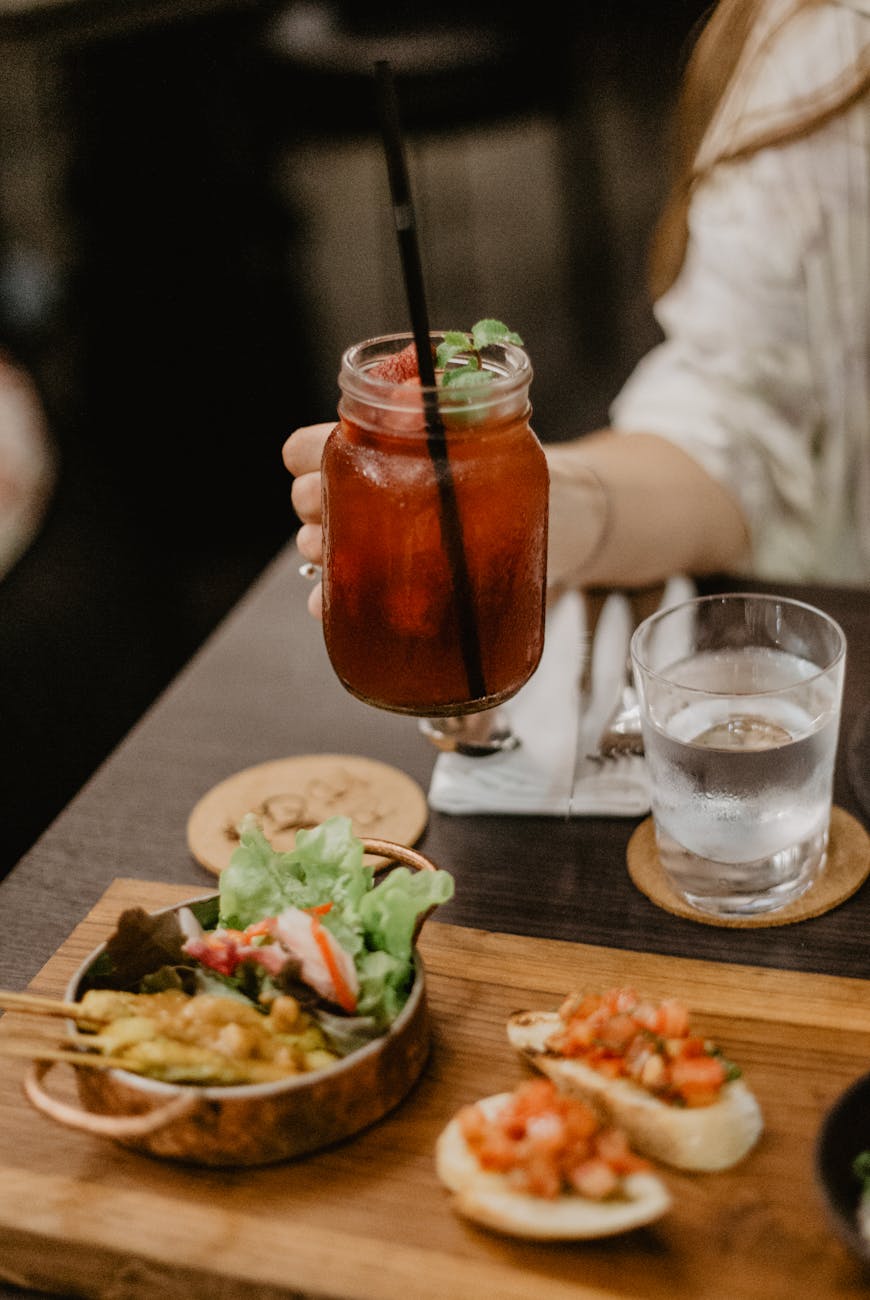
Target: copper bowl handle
x,y
398,853
112,1126
409,858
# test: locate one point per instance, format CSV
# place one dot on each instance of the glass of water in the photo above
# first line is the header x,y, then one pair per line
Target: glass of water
x,y
740,706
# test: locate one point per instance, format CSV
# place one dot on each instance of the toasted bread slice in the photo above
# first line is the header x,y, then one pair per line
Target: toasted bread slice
x,y
703,1138
489,1198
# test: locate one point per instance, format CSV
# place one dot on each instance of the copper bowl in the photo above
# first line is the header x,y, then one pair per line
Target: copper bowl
x,y
249,1124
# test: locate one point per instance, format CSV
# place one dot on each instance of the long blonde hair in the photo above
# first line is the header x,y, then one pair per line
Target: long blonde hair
x,y
708,73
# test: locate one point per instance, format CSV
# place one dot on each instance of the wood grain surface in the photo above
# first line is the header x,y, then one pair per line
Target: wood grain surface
x,y
368,1218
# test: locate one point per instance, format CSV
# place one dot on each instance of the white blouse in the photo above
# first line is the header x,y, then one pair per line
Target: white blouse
x,y
764,372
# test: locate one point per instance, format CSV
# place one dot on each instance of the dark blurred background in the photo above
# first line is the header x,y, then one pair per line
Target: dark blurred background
x,y
194,222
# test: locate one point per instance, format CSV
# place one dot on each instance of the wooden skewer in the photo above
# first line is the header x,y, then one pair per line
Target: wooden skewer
x,y
34,1004
36,1051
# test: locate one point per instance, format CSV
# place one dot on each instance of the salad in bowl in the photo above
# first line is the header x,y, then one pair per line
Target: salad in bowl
x,y
280,1014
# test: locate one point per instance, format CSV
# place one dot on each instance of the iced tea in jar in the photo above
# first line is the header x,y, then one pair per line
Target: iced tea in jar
x,y
435,528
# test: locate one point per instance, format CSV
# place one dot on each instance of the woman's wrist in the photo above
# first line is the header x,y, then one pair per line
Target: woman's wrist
x,y
581,518
628,510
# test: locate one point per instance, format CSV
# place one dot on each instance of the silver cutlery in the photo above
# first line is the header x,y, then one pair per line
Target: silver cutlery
x,y
594,600
621,734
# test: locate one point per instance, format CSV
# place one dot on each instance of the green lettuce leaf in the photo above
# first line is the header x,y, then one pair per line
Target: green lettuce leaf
x,y
389,912
384,982
325,864
374,923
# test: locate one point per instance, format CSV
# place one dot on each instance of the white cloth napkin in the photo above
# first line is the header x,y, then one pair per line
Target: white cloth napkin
x,y
537,778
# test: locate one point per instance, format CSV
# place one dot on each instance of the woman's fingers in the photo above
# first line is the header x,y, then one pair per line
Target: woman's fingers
x,y
303,450
302,453
309,541
305,496
315,601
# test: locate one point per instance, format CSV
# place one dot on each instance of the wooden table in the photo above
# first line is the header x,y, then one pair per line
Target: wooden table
x,y
262,689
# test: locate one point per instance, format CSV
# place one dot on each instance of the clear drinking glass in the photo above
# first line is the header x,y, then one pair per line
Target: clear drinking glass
x,y
740,705
434,566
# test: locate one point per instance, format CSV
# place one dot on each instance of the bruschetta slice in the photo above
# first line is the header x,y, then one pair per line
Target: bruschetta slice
x,y
673,1093
537,1164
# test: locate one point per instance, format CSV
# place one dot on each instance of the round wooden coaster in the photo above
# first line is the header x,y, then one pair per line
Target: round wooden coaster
x,y
846,869
290,793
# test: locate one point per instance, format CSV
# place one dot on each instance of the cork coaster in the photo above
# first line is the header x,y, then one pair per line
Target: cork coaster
x,y
290,793
846,869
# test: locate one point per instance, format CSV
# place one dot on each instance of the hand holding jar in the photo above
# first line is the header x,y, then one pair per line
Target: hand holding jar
x,y
434,539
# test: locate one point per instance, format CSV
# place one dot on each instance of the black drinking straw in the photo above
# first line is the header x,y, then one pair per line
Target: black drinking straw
x,y
406,229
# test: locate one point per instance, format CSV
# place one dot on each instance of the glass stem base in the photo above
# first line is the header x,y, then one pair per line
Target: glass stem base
x,y
473,734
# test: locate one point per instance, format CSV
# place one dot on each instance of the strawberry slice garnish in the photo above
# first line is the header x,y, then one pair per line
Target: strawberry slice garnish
x,y
399,367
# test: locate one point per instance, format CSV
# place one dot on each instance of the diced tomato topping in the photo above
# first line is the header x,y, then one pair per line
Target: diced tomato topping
x,y
672,1020
697,1078
692,1045
576,1036
539,1175
612,1146
595,1178
265,926
225,950
220,954
616,1033
547,1143
619,1034
580,1006
612,1067
497,1152
622,1001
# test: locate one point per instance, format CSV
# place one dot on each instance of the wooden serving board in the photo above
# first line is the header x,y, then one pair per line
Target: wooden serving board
x,y
368,1219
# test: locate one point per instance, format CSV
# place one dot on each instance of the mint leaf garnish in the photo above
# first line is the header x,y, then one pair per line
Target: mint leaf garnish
x,y
467,347
492,331
465,377
451,345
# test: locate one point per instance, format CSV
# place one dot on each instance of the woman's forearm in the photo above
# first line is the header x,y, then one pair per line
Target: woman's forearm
x,y
633,509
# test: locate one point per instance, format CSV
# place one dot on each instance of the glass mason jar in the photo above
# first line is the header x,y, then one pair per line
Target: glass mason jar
x,y
435,535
